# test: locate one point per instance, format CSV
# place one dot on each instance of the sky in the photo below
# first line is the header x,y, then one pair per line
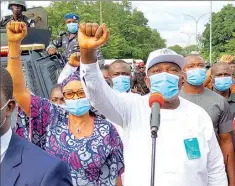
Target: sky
x,y
168,17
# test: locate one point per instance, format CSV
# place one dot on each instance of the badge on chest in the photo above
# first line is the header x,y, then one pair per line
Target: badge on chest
x,y
192,148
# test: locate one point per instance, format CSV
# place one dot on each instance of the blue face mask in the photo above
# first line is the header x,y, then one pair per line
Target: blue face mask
x,y
165,84
77,107
72,27
223,83
196,76
122,83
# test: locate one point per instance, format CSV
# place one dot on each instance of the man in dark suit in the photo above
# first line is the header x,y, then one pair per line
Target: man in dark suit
x,y
22,163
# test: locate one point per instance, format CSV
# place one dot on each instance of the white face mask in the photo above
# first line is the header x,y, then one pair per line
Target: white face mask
x,y
5,117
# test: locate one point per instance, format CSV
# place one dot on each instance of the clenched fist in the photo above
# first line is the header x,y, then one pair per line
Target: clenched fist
x,y
52,51
16,31
74,59
92,36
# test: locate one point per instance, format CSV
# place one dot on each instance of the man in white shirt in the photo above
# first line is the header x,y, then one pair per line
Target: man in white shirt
x,y
187,151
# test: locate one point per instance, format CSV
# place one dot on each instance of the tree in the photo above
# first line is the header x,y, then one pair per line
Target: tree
x,y
188,49
130,35
223,28
178,49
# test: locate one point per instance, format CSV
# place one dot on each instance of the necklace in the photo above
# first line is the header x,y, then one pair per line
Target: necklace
x,y
78,130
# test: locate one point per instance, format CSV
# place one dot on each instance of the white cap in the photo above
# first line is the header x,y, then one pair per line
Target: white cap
x,y
164,55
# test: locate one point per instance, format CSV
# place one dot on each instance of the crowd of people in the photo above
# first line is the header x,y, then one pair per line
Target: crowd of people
x,y
94,128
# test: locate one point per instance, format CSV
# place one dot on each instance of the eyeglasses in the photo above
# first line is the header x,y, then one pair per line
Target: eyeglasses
x,y
71,94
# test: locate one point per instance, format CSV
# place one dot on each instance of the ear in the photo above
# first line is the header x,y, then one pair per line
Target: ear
x,y
181,82
10,107
212,80
147,81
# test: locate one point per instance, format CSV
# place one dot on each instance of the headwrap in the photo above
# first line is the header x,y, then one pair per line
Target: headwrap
x,y
75,76
72,16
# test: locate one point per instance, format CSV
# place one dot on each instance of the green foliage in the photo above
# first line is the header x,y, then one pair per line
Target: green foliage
x,y
223,29
183,50
130,37
178,49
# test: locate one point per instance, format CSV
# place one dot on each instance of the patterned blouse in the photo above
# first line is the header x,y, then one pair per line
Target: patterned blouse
x,y
96,160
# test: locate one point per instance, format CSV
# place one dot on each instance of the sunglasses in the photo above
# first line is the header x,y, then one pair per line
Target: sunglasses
x,y
71,94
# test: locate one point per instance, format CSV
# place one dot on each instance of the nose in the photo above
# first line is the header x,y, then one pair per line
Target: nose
x,y
76,96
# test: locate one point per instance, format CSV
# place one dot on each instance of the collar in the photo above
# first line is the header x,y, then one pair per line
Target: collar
x,y
5,140
19,19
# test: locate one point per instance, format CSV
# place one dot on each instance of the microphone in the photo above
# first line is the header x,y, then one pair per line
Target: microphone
x,y
156,102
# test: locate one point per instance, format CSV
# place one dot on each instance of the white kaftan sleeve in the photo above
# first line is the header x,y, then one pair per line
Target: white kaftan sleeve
x,y
67,70
117,107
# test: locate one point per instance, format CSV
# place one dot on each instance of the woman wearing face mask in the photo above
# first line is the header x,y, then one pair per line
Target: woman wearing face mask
x,y
89,144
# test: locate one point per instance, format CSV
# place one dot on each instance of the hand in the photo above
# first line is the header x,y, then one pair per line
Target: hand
x,y
134,90
92,36
16,31
51,51
74,59
227,59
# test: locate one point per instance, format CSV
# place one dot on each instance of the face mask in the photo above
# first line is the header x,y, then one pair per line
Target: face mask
x,y
223,83
60,105
78,107
72,27
196,76
166,84
3,122
122,83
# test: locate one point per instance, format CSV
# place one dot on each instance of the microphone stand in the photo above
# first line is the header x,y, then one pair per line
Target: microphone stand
x,y
154,137
154,123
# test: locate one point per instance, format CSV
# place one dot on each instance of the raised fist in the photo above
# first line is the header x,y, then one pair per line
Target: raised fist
x,y
16,31
51,51
74,59
92,36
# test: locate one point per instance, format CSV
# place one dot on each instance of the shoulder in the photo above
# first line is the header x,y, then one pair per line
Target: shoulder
x,y
192,109
216,98
32,153
4,18
196,117
62,33
104,123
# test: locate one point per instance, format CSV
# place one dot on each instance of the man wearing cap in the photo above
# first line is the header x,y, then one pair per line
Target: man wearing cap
x,y
67,41
138,80
187,151
215,105
17,8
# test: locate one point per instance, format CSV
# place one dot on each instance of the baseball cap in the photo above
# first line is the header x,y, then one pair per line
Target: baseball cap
x,y
164,55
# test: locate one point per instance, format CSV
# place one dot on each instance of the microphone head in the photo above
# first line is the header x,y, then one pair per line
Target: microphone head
x,y
156,98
